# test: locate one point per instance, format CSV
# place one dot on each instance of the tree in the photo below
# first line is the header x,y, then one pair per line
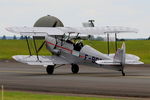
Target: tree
x,y
91,37
148,38
21,37
99,38
120,39
4,37
14,37
29,37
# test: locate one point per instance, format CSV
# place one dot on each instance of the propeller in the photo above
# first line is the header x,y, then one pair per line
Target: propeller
x,y
54,25
41,46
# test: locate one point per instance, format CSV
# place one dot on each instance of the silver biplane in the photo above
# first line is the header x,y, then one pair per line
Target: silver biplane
x,y
58,40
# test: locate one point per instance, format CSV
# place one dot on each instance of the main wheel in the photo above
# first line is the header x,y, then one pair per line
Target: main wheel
x,y
122,70
75,68
50,69
123,73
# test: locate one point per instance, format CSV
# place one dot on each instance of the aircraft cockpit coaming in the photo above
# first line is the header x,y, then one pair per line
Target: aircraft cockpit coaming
x,y
63,44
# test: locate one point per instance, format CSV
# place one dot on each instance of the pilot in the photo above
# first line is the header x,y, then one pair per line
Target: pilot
x,y
78,45
70,41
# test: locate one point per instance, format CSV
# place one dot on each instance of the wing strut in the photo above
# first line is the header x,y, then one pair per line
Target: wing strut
x,y
41,46
108,48
35,48
116,41
56,42
28,45
108,43
62,39
77,37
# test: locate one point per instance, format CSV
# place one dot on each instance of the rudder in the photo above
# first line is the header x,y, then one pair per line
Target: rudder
x,y
120,57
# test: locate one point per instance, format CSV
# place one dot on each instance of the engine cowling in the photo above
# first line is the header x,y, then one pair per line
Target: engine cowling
x,y
56,52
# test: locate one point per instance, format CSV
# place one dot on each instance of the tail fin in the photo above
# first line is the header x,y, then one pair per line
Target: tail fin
x,y
120,55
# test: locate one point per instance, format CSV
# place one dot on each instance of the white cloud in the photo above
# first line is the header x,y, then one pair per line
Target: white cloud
x,y
133,13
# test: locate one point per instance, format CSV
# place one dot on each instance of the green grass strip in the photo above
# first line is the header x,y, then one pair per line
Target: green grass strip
x,y
35,96
140,48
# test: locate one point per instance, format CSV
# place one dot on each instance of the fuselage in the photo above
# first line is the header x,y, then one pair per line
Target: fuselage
x,y
76,53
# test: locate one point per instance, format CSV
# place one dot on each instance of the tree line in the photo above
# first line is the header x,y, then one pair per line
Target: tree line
x,y
4,37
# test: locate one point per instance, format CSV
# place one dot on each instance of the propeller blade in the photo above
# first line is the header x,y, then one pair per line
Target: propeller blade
x,y
55,24
41,46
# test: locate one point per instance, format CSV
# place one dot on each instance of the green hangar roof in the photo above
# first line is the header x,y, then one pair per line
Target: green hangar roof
x,y
48,21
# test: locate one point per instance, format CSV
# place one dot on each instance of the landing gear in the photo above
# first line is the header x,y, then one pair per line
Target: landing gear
x,y
122,70
50,69
123,74
75,68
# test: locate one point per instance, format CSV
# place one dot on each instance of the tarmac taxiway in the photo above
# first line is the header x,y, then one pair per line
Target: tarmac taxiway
x,y
96,81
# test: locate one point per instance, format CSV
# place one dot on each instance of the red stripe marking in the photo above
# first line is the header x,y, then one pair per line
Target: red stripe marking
x,y
59,46
82,56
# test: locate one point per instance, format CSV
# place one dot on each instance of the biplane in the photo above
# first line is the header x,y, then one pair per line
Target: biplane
x,y
67,48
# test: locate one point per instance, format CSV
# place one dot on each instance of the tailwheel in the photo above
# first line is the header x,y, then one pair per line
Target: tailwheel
x,y
50,69
75,68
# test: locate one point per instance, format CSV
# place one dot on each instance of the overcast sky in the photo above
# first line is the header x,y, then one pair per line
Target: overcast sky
x,y
130,13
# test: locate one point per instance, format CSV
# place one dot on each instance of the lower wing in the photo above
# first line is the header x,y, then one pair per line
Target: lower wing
x,y
43,60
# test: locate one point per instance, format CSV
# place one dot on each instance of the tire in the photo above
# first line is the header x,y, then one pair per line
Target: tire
x,y
75,68
123,74
122,71
50,69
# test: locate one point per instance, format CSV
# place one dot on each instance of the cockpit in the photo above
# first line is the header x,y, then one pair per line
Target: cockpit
x,y
78,45
75,40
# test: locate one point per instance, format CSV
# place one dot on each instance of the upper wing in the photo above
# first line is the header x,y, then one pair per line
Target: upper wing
x,y
104,30
43,60
35,31
43,31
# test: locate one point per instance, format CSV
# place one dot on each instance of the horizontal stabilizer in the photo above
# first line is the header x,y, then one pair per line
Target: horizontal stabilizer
x,y
111,62
106,62
120,58
128,57
134,62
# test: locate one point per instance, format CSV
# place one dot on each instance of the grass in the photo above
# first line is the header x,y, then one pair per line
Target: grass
x,y
35,96
18,47
140,48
